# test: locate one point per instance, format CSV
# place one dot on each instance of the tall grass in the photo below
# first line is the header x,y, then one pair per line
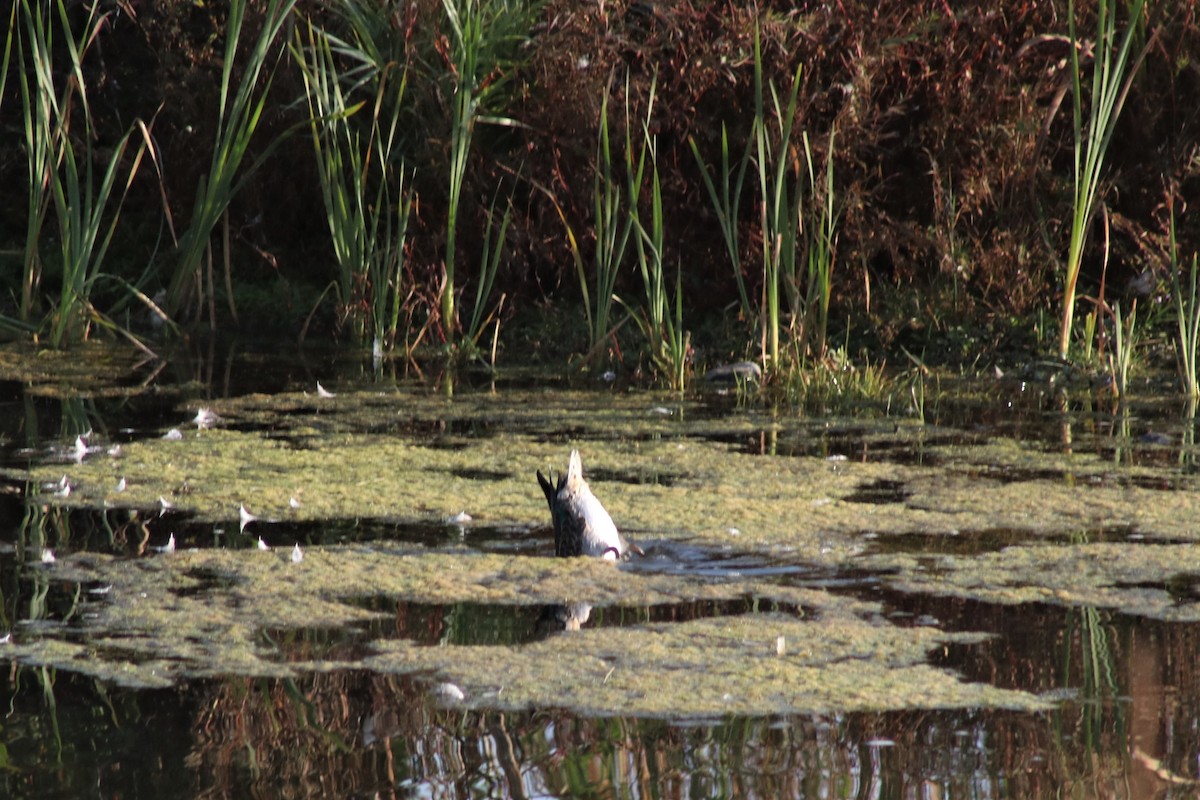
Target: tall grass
x,y
362,180
613,226
61,178
485,39
820,241
1120,360
798,221
726,205
489,266
779,210
1187,313
659,318
1109,85
240,112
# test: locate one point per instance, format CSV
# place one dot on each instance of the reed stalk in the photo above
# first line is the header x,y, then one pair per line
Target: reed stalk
x,y
659,317
782,211
1109,86
820,243
239,114
489,265
367,207
485,34
613,226
464,19
1187,313
1120,360
725,204
65,180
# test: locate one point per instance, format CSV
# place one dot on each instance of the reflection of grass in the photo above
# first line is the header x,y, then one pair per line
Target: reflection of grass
x,y
1088,628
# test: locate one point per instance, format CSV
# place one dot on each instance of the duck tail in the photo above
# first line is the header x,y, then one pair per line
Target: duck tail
x,y
548,489
574,469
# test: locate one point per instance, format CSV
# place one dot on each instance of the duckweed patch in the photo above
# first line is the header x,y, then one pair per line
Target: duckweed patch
x,y
203,613
1138,578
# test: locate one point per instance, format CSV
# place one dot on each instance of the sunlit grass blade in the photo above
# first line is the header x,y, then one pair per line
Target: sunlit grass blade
x,y
64,179
726,204
1111,78
366,201
240,112
489,265
1187,311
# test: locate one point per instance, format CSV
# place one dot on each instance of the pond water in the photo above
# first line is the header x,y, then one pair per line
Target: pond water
x,y
351,591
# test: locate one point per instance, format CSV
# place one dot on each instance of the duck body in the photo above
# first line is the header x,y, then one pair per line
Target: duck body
x,y
582,526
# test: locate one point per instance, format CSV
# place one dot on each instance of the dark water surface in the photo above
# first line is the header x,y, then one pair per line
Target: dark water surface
x,y
1126,724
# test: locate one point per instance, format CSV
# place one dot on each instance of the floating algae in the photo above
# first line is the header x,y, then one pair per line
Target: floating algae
x,y
203,613
409,458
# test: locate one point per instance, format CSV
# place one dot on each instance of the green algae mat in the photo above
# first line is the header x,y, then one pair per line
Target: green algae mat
x,y
1077,529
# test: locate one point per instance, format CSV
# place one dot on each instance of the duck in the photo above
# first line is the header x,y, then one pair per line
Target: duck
x,y
582,526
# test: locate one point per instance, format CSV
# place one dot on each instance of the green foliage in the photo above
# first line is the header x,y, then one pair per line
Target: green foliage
x,y
239,115
367,207
484,41
63,179
1187,314
726,205
797,222
660,319
1110,82
612,224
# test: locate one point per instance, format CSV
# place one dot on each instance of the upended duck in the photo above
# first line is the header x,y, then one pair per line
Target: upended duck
x,y
582,526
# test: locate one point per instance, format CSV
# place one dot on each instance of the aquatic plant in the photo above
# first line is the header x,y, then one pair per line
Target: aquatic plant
x,y
779,210
659,318
1187,312
612,224
726,206
489,265
484,37
1110,82
797,221
240,111
363,184
1120,360
820,241
63,179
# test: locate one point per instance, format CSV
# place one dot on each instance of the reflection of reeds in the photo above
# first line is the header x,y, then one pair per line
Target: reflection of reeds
x,y
1098,666
1110,84
239,114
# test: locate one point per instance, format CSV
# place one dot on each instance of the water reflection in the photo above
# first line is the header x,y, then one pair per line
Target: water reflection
x,y
354,734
